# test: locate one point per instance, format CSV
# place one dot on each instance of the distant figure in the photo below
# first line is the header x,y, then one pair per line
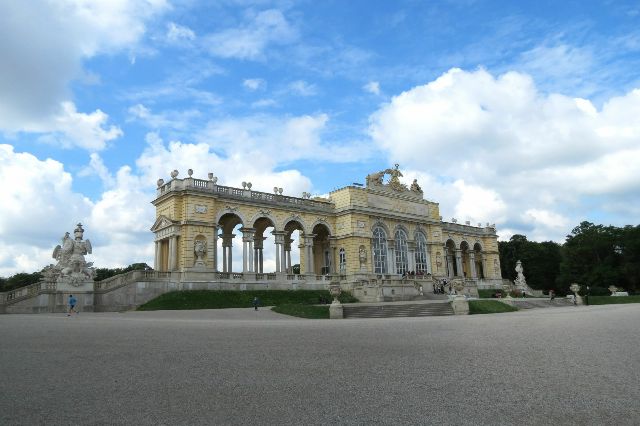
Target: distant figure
x,y
72,305
256,302
552,295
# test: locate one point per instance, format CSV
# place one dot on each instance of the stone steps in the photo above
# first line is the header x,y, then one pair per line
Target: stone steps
x,y
399,310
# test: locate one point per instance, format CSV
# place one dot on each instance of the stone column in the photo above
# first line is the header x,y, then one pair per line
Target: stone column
x,y
157,258
279,240
472,263
247,249
411,261
459,262
449,258
173,253
308,243
391,267
215,248
227,245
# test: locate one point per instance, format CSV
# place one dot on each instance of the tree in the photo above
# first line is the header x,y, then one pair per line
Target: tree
x,y
18,280
541,261
104,273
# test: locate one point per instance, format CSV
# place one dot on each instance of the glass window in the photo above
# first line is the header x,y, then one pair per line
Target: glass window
x,y
422,261
342,261
402,252
379,251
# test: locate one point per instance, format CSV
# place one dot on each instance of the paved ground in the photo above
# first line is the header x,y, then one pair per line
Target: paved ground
x,y
573,365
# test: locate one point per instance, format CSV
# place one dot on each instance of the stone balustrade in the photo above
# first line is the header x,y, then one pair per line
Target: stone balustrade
x,y
210,187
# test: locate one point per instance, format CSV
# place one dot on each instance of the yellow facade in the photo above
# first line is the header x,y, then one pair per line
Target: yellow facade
x,y
384,228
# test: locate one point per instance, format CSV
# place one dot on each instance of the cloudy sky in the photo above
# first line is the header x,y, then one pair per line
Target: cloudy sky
x,y
523,114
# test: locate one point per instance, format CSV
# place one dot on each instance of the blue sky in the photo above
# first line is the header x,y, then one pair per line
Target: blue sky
x,y
522,114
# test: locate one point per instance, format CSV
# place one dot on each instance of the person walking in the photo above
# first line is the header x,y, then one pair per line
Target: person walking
x,y
72,305
256,302
552,295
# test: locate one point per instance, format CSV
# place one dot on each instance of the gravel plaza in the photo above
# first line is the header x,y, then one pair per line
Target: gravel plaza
x,y
573,365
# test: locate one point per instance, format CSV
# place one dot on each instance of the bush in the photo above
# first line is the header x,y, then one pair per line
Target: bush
x,y
303,311
488,293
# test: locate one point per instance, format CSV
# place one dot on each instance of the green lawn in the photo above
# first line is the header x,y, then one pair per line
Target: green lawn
x,y
612,300
489,307
214,299
303,311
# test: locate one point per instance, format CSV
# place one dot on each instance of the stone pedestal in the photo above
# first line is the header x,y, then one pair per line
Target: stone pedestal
x,y
336,311
460,305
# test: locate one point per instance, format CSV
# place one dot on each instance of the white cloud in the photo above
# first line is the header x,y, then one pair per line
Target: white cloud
x,y
250,40
178,33
43,44
302,88
177,120
38,205
272,140
515,149
254,83
372,87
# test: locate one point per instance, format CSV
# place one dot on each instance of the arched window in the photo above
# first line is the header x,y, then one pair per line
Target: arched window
x,y
379,251
422,261
342,261
402,252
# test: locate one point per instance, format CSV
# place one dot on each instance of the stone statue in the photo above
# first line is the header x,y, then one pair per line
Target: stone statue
x,y
520,280
375,179
72,268
415,187
199,249
362,256
394,182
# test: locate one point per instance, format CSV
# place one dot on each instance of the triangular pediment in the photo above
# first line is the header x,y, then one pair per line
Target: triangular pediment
x,y
161,222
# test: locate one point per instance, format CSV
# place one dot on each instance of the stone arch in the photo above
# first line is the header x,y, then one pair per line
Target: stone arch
x,y
450,258
479,259
297,221
227,214
465,259
322,222
381,224
227,220
321,250
260,223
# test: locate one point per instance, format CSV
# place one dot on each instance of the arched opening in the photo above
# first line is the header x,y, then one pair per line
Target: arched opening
x,y
230,255
379,246
465,259
423,264
264,246
321,249
293,245
450,256
478,259
402,252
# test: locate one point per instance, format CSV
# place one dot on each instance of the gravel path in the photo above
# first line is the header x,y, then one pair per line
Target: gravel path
x,y
574,365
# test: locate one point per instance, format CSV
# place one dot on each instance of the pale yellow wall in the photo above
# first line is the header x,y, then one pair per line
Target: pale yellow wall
x,y
347,228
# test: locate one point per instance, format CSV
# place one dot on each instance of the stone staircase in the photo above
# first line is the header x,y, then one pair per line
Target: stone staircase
x,y
395,310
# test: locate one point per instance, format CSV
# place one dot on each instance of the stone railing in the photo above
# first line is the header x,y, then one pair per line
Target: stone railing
x,y
121,280
469,229
26,292
208,186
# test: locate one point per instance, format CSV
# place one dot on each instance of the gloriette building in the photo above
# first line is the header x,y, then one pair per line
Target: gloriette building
x,y
383,235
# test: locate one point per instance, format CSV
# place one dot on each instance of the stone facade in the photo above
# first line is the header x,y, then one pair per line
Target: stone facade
x,y
358,235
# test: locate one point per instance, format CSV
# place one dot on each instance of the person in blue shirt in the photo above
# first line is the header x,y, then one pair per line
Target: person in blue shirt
x,y
72,305
256,302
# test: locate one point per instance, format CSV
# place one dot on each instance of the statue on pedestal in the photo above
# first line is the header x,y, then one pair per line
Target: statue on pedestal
x,y
199,249
520,281
72,268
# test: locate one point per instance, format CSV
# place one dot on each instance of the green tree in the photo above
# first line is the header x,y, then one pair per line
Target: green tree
x,y
541,261
18,280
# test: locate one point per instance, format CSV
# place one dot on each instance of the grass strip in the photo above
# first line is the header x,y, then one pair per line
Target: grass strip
x,y
612,300
303,311
222,299
489,307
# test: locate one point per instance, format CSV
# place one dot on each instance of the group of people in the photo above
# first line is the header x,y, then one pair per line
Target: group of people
x,y
439,287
